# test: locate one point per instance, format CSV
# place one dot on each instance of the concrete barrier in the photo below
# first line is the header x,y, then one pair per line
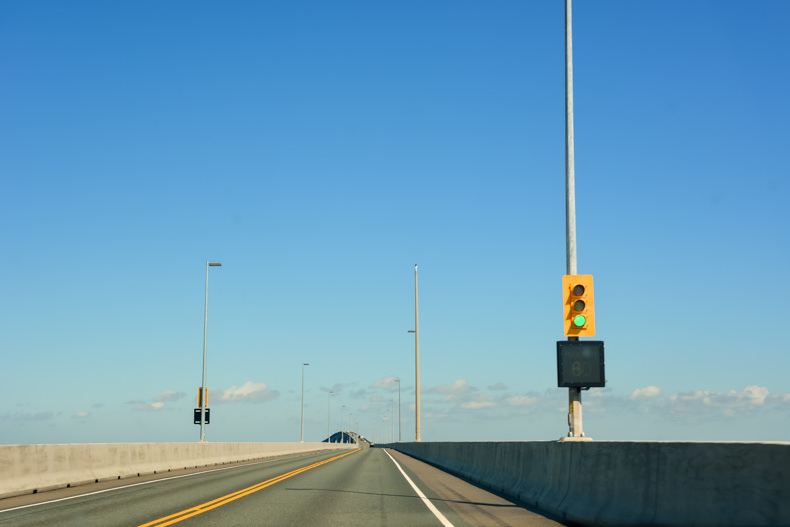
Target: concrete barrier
x,y
629,483
25,469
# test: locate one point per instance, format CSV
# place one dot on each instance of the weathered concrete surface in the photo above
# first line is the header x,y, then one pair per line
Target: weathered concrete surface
x,y
25,469
629,483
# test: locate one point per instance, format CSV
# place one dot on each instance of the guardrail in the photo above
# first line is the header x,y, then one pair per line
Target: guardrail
x,y
629,483
26,469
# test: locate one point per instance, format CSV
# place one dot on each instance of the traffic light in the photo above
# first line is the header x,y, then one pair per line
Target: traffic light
x,y
200,396
579,305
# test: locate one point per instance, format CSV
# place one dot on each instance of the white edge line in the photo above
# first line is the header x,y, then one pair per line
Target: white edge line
x,y
425,500
127,486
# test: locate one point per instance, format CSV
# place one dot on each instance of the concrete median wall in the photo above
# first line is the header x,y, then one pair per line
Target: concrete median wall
x,y
629,483
25,469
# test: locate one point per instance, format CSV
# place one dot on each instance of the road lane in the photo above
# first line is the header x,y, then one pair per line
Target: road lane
x,y
363,488
215,503
133,504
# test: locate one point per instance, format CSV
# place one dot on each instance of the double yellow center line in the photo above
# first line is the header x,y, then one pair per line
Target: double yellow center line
x,y
205,507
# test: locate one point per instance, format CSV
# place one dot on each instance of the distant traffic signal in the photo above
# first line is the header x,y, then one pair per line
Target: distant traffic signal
x,y
579,305
200,396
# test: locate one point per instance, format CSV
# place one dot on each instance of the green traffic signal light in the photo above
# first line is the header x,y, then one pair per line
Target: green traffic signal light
x,y
578,305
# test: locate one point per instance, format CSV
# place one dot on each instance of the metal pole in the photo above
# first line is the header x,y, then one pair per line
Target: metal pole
x,y
574,394
570,183
417,356
399,436
203,386
329,417
303,365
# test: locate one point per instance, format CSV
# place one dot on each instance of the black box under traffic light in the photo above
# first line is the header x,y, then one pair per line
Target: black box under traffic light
x,y
197,415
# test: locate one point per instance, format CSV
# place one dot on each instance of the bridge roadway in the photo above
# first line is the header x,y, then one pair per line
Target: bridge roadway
x,y
365,487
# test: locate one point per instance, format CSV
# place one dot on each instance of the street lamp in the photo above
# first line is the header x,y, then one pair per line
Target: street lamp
x,y
398,381
416,332
204,401
329,417
303,365
392,413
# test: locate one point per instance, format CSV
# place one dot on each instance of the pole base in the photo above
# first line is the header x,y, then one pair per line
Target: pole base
x,y
572,439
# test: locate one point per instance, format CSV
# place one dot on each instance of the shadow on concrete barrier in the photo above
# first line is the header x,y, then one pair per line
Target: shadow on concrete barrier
x,y
629,483
26,469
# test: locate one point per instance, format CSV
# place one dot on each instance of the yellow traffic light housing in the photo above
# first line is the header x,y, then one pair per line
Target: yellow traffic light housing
x,y
200,397
579,305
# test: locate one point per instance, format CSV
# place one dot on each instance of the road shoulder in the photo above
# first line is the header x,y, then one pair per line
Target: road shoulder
x,y
474,505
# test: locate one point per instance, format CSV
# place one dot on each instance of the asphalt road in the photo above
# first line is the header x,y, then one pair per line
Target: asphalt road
x,y
366,487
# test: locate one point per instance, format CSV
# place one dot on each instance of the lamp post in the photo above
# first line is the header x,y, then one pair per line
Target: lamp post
x,y
303,365
416,358
329,417
204,401
398,381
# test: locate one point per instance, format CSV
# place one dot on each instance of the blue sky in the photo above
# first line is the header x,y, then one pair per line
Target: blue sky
x,y
321,150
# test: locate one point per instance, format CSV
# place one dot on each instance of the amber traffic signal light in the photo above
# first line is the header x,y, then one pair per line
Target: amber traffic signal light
x,y
579,305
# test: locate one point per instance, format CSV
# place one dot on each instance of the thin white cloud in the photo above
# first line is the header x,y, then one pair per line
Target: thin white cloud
x,y
81,415
498,387
159,401
641,394
169,396
755,395
142,406
730,403
255,392
782,398
482,400
41,416
386,382
453,392
521,400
